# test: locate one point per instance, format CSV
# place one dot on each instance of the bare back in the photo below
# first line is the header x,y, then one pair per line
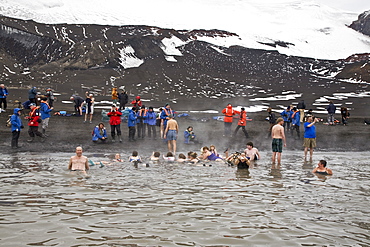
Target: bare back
x,y
172,125
277,132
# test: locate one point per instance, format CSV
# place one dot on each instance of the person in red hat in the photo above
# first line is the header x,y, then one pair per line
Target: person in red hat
x,y
137,103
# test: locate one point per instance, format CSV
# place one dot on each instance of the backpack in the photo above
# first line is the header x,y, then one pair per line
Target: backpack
x,y
8,122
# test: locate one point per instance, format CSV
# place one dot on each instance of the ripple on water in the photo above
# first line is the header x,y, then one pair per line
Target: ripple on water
x,y
171,205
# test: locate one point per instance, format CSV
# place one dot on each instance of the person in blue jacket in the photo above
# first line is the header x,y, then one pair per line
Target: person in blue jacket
x,y
296,121
189,135
167,111
32,95
3,93
152,123
45,110
131,123
331,111
16,126
99,133
287,116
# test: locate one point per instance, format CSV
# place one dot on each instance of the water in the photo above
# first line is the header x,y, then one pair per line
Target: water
x,y
183,205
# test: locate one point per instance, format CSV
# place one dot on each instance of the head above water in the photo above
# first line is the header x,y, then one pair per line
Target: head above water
x,y
323,162
156,154
182,156
250,144
79,151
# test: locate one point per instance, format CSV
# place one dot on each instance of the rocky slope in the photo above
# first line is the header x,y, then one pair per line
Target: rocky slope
x,y
161,64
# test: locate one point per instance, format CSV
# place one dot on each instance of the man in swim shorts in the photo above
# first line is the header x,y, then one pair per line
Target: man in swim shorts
x,y
79,163
170,133
278,139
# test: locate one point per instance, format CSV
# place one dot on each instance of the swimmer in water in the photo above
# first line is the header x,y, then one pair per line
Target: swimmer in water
x,y
117,158
192,157
79,163
169,157
135,157
321,169
181,158
207,155
155,156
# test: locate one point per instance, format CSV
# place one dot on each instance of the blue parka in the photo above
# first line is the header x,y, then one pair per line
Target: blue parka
x,y
296,119
132,118
287,115
16,121
3,92
45,110
97,135
152,118
188,136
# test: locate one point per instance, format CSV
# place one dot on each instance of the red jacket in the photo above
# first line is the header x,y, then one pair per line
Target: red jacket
x,y
33,117
243,118
115,117
228,112
137,103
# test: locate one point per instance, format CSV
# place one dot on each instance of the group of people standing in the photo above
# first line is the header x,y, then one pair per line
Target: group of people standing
x,y
142,122
38,115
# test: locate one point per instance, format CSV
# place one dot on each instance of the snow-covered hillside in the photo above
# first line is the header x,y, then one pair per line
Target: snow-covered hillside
x,y
299,28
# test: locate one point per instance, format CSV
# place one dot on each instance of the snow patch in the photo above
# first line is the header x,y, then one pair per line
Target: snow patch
x,y
128,58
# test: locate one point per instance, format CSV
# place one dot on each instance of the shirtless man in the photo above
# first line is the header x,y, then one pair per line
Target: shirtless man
x,y
78,163
278,137
170,133
252,152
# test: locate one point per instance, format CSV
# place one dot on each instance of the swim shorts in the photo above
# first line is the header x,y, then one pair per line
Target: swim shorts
x,y
277,145
171,135
309,142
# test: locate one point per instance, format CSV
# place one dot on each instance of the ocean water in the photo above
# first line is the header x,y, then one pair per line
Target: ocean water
x,y
173,204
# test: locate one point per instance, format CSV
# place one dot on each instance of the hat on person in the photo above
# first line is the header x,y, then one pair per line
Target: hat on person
x,y
170,116
137,97
32,104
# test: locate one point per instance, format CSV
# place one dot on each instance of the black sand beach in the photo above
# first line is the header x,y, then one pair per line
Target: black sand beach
x,y
65,133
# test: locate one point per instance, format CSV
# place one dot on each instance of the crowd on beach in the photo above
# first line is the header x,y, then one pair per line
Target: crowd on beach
x,y
142,122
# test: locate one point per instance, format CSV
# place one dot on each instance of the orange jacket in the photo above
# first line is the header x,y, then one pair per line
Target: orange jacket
x,y
33,117
229,113
243,118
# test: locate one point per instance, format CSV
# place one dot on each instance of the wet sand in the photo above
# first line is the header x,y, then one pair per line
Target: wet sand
x,y
65,133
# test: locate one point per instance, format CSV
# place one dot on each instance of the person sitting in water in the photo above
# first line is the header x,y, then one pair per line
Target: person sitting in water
x,y
206,154
192,157
252,152
213,150
182,158
241,161
321,169
99,133
155,156
117,158
169,157
135,158
78,163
